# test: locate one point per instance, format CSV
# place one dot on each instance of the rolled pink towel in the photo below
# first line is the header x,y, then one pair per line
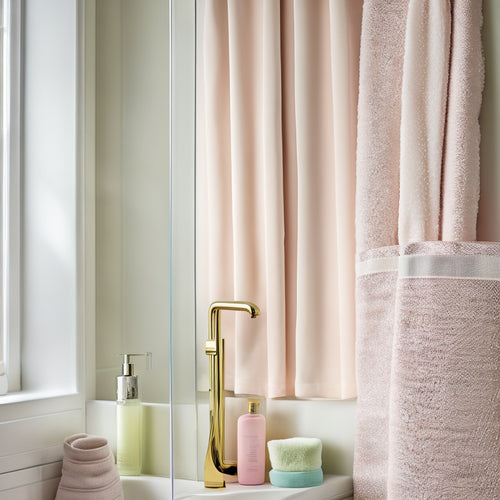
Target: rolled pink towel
x,y
89,470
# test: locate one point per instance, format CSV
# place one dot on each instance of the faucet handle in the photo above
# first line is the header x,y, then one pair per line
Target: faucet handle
x,y
211,348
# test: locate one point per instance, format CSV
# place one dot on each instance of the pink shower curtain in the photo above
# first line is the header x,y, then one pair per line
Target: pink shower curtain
x,y
276,139
428,337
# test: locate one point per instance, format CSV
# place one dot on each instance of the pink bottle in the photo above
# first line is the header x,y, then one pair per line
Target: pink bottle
x,y
252,445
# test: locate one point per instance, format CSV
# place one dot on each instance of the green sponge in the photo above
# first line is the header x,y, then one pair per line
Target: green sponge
x,y
296,454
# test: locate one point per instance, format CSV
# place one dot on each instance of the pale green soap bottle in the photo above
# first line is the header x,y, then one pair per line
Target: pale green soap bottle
x,y
128,420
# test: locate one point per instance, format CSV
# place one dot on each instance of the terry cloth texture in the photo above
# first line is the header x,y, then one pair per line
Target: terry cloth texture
x,y
428,369
444,422
89,471
417,172
375,299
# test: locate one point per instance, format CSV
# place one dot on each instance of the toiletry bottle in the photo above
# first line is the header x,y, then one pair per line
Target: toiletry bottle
x,y
129,420
251,445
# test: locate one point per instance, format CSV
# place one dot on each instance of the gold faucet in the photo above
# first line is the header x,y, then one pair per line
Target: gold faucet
x,y
215,467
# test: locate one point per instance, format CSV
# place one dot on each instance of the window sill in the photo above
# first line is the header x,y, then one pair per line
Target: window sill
x,y
26,404
22,396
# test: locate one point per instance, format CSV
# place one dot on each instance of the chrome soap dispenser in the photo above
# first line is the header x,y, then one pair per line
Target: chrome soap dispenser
x,y
129,418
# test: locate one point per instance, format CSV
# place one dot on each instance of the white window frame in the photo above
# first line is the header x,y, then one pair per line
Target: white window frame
x,y
51,103
11,194
3,28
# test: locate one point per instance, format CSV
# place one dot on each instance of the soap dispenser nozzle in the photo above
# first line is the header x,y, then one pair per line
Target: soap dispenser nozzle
x,y
127,383
128,367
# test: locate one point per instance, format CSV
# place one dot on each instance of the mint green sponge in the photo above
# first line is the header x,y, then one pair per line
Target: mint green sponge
x,y
296,454
296,479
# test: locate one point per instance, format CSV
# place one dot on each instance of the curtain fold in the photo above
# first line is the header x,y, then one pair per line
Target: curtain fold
x,y
257,193
277,124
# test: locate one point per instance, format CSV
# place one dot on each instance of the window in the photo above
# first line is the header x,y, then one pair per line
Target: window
x,y
42,253
41,167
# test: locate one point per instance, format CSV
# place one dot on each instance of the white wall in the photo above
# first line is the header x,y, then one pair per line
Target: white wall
x,y
331,421
132,186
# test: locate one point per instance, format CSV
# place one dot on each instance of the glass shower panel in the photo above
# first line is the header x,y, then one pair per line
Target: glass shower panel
x,y
131,82
189,327
182,195
132,186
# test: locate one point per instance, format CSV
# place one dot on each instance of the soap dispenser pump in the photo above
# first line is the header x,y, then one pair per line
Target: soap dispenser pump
x,y
129,418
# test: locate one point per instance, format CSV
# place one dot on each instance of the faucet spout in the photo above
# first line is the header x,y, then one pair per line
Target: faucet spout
x,y
215,466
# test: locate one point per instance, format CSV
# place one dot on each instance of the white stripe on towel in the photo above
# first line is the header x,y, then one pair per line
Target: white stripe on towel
x,y
377,265
439,266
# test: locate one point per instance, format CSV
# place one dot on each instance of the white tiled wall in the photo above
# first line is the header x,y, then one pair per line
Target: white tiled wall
x,y
331,421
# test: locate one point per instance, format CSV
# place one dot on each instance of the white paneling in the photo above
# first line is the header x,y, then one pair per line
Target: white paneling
x,y
30,405
29,460
31,441
30,476
43,490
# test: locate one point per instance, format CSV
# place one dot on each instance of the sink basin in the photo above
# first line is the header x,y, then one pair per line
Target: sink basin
x,y
159,488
